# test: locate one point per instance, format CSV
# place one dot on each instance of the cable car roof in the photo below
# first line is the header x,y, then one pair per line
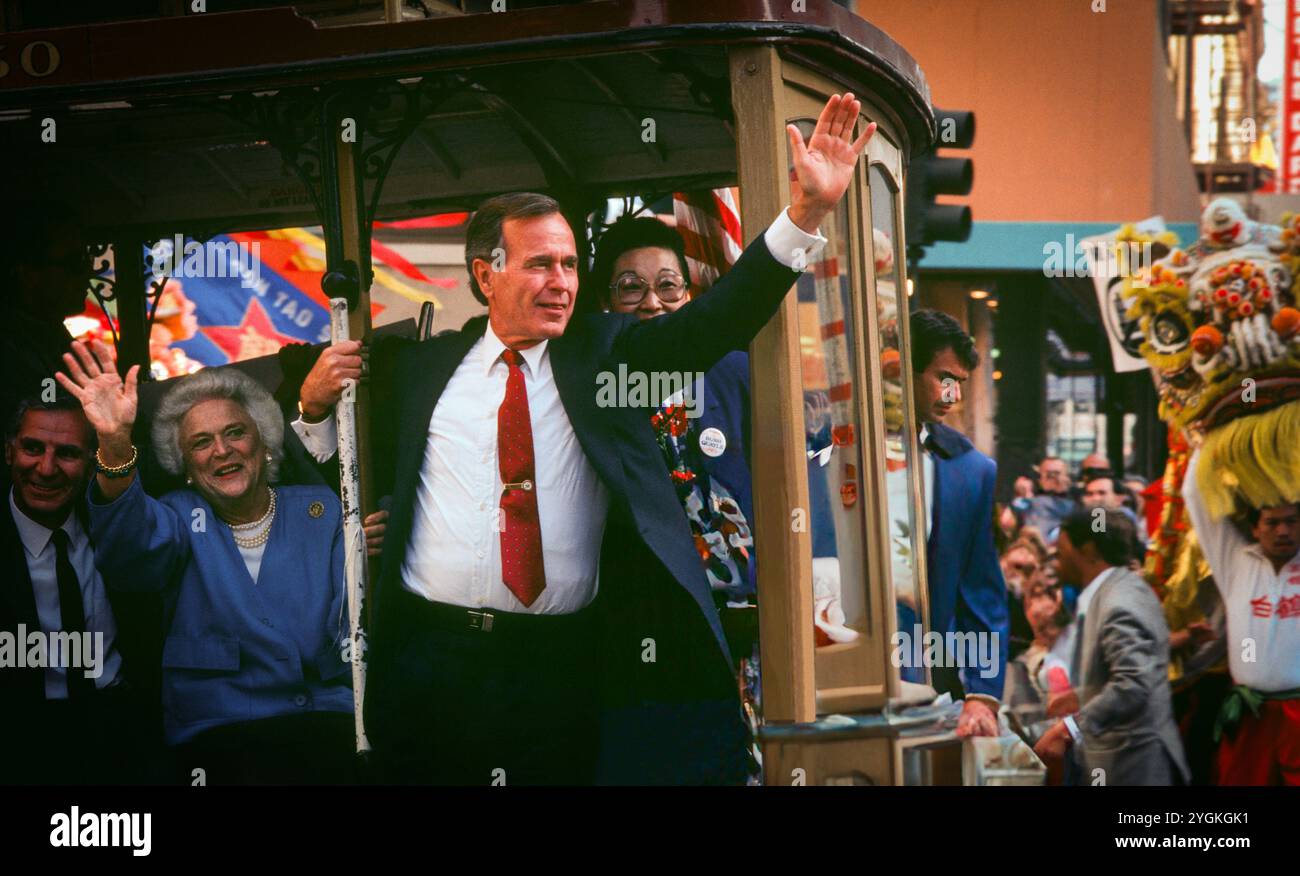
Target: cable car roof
x,y
165,125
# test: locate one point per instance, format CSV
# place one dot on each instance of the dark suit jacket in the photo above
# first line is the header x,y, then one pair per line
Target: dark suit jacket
x,y
676,720
967,592
29,733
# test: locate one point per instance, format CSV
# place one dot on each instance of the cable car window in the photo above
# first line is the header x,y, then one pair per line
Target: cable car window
x,y
829,353
906,537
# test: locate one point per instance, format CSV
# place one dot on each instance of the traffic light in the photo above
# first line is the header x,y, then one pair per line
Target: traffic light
x,y
934,174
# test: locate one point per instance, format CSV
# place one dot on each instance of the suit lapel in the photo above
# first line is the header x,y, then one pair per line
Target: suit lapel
x,y
1091,623
18,605
938,574
17,601
426,369
577,389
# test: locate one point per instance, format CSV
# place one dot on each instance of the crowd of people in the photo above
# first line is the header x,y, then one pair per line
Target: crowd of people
x,y
1063,543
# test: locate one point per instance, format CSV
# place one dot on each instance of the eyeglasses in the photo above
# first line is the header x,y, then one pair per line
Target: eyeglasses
x,y
630,289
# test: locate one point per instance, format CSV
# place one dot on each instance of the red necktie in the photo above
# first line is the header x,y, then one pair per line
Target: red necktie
x,y
521,535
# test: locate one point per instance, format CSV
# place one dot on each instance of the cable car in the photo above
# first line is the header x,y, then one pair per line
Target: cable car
x,y
216,123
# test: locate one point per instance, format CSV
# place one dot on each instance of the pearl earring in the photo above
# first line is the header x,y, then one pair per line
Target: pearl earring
x,y
268,456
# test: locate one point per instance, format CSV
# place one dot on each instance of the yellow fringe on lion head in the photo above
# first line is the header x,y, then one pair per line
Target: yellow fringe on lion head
x,y
1251,460
1182,590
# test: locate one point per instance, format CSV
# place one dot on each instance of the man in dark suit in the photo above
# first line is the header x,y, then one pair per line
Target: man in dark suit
x,y
541,614
77,722
967,592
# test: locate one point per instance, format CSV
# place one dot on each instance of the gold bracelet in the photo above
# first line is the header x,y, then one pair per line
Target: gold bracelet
x,y
117,471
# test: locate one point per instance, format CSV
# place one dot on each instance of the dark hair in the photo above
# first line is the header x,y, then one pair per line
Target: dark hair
x,y
62,402
628,234
1253,514
934,331
485,232
1114,542
1115,486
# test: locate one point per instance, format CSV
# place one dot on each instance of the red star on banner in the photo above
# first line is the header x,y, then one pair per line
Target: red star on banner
x,y
253,337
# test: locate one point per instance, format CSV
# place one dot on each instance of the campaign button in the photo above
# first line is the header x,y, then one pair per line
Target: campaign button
x,y
712,441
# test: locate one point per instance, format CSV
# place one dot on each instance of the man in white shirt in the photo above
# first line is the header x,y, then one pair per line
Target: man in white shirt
x,y
1117,724
1259,582
68,716
542,615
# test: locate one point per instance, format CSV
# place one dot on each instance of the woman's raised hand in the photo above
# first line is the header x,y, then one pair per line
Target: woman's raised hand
x,y
110,404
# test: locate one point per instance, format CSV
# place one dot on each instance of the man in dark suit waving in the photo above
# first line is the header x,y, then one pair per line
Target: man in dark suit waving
x,y
541,614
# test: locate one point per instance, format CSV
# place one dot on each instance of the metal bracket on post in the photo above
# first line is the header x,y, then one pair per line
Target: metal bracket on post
x,y
131,292
343,283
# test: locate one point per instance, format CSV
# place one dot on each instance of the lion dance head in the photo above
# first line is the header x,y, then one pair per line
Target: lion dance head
x,y
1221,333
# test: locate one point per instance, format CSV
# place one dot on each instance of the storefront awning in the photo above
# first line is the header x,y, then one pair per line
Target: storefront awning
x,y
1026,246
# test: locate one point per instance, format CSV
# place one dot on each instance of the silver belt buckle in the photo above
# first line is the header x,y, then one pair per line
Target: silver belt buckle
x,y
481,620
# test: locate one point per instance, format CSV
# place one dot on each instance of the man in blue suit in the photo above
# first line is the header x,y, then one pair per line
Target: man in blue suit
x,y
967,593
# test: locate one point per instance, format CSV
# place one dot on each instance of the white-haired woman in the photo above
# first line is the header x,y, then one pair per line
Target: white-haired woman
x,y
255,686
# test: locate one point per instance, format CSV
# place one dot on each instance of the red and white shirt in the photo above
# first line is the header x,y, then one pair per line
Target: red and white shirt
x,y
1262,605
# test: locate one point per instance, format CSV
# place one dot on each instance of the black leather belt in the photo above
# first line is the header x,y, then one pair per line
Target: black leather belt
x,y
494,622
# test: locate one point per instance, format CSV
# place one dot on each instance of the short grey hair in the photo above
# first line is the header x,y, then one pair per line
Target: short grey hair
x,y
486,230
61,403
207,385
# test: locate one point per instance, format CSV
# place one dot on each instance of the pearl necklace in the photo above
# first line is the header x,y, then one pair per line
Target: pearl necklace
x,y
261,529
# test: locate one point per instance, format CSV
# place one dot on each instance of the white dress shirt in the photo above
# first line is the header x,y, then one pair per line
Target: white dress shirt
x,y
252,557
1262,606
927,479
38,545
454,555
454,552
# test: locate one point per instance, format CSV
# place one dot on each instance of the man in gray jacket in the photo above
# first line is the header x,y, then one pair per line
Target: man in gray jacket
x,y
1117,724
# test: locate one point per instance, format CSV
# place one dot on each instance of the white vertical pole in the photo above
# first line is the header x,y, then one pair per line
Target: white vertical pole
x,y
354,537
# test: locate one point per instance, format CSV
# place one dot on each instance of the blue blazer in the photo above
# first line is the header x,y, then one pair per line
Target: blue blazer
x,y
726,408
967,592
234,650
